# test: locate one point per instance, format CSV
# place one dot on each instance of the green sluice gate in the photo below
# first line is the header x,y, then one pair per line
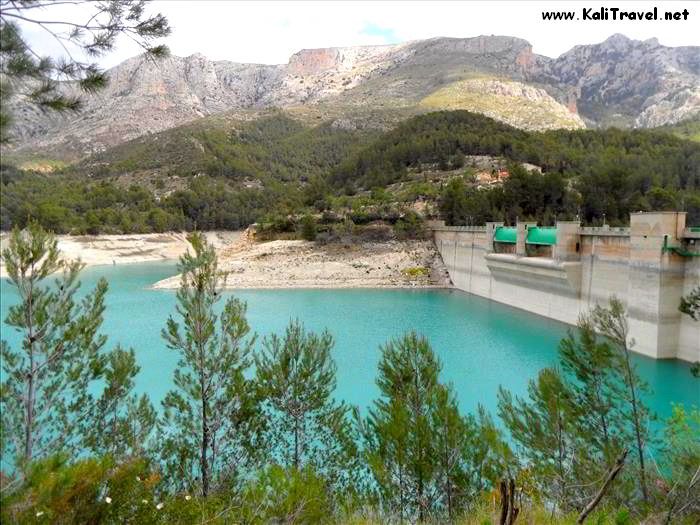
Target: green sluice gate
x,y
506,234
541,236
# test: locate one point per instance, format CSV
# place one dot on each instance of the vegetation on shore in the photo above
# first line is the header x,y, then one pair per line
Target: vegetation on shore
x,y
233,443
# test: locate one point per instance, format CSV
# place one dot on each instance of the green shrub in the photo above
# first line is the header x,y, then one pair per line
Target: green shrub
x,y
280,495
308,228
410,226
416,272
94,490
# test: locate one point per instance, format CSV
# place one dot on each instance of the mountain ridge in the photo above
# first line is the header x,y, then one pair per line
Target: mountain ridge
x,y
610,83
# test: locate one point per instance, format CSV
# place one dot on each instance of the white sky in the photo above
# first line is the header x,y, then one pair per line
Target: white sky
x,y
269,32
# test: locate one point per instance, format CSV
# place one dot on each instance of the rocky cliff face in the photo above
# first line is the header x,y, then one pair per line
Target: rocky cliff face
x,y
626,82
144,97
619,81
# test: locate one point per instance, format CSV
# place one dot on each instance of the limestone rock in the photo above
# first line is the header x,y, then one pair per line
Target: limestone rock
x,y
619,81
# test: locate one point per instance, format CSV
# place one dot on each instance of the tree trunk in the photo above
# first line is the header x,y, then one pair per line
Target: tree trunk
x,y
560,458
603,419
637,424
509,513
503,489
608,480
448,482
417,410
401,493
29,409
512,509
203,461
296,443
31,385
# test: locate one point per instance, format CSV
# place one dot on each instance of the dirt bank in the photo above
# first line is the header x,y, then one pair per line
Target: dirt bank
x,y
125,249
302,264
274,264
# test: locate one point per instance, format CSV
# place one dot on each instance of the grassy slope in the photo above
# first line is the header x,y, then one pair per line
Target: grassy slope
x,y
482,96
687,129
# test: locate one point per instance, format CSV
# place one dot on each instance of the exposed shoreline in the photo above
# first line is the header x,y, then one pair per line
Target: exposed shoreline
x,y
97,250
276,264
302,264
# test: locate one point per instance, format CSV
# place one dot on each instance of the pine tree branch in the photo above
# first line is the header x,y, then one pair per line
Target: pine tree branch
x,y
599,496
54,22
15,7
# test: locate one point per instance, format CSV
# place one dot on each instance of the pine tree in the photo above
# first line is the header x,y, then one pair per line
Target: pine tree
x,y
542,427
453,202
45,396
210,417
308,228
611,322
386,441
23,72
451,444
305,426
417,445
400,445
124,423
493,460
681,455
592,377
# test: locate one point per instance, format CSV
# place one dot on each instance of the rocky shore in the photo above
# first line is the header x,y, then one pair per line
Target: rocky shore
x,y
274,264
303,264
126,249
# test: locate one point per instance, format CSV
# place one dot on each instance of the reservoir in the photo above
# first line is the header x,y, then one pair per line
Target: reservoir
x,y
481,344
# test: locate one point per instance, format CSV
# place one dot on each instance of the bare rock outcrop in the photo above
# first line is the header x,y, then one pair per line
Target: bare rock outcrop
x,y
627,82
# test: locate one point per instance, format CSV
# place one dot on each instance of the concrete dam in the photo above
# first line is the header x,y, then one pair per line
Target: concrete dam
x,y
563,271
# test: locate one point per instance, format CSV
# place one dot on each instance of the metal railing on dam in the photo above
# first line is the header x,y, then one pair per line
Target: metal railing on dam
x,y
604,231
471,229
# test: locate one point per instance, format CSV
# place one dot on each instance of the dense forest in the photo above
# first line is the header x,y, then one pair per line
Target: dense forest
x,y
273,146
224,176
202,176
588,173
251,431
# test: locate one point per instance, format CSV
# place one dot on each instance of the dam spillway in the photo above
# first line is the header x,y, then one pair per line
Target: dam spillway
x,y
563,271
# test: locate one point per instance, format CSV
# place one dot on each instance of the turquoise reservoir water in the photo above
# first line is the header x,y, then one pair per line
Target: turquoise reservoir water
x,y
481,344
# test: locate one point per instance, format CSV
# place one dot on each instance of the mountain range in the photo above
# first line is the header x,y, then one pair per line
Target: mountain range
x,y
620,82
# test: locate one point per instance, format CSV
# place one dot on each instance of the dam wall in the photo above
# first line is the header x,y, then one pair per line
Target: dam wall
x,y
689,337
562,272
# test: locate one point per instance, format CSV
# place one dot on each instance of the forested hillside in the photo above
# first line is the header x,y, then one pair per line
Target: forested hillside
x,y
596,172
274,146
228,175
